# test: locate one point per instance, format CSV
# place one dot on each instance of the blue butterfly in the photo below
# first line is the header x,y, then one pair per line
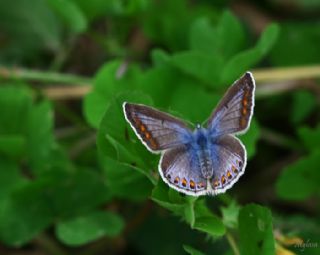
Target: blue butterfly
x,y
204,160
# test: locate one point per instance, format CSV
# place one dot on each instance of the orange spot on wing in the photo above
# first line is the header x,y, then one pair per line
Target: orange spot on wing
x,y
244,111
176,180
234,169
216,184
243,122
229,175
223,179
245,102
184,182
147,134
153,144
137,121
142,128
192,184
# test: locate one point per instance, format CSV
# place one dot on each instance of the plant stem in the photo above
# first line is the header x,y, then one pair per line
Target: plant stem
x,y
232,243
286,73
270,80
42,76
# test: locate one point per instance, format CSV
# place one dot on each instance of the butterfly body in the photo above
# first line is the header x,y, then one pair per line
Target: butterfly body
x,y
207,160
201,146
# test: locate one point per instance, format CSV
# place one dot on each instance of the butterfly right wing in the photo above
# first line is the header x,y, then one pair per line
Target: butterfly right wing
x,y
157,130
179,168
234,112
229,161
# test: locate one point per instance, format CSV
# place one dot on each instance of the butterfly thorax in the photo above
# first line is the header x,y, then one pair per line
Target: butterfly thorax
x,y
202,148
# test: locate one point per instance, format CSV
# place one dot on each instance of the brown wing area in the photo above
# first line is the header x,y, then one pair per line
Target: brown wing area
x,y
233,113
156,129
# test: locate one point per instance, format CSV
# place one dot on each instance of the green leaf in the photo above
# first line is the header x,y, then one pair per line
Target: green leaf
x,y
192,251
223,40
206,221
251,137
27,129
15,102
107,84
116,138
297,44
203,37
25,214
255,230
301,179
230,35
230,214
194,211
245,60
159,81
10,178
211,225
12,145
192,92
310,137
40,140
75,193
95,8
171,27
303,104
159,57
71,14
28,31
199,65
86,228
160,195
126,181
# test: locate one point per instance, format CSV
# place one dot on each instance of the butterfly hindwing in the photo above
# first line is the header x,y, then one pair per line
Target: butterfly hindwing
x,y
157,130
180,171
230,160
233,113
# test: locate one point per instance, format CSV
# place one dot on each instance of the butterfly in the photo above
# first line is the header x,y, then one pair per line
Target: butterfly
x,y
206,160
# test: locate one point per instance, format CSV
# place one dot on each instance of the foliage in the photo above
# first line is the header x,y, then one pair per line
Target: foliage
x,y
76,177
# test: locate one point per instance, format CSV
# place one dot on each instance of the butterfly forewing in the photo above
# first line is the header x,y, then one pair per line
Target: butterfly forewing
x,y
230,161
157,130
233,113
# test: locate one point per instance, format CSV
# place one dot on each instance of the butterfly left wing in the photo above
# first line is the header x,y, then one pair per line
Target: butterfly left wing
x,y
157,130
180,170
230,160
233,113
